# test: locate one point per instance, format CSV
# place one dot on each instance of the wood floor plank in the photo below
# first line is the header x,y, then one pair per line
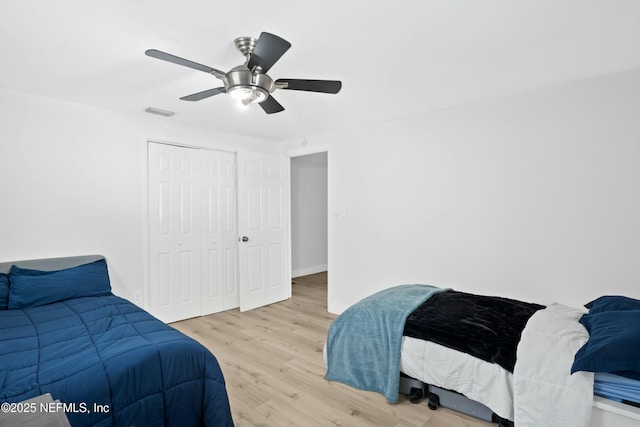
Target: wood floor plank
x,y
273,365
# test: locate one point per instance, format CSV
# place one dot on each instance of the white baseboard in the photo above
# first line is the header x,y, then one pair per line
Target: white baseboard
x,y
336,307
309,270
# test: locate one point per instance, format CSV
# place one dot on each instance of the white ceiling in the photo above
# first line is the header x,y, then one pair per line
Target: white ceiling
x,y
395,58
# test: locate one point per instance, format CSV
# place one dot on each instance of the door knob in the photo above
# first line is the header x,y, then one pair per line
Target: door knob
x,y
245,239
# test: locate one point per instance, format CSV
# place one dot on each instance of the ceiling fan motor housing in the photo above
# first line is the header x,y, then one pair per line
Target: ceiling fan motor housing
x,y
242,78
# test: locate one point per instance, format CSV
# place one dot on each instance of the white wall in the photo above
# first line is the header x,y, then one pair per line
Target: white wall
x,y
73,181
534,196
309,214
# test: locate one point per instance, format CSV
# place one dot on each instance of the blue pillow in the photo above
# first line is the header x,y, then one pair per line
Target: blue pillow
x,y
612,302
32,288
614,342
4,291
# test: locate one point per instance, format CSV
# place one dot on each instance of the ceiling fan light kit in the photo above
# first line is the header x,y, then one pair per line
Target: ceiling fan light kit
x,y
249,82
248,94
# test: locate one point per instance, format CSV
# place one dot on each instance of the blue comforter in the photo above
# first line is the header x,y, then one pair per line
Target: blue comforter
x,y
364,342
111,363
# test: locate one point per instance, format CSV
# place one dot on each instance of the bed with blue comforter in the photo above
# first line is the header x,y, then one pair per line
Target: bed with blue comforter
x,y
109,362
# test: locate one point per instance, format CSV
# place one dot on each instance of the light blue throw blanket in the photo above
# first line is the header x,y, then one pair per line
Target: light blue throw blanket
x,y
364,342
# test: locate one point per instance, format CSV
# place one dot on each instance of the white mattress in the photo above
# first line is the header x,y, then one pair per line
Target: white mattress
x,y
431,363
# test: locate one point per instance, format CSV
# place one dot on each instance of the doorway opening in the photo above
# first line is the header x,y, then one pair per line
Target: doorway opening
x,y
309,215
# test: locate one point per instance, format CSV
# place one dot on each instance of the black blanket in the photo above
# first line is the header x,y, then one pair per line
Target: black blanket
x,y
488,328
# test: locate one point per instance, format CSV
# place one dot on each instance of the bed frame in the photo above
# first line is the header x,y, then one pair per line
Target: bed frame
x,y
608,413
605,413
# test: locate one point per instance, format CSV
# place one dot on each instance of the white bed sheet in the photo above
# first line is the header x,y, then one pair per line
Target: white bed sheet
x,y
431,363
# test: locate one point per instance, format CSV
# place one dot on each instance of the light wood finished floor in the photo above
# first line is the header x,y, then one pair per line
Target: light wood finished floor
x,y
273,366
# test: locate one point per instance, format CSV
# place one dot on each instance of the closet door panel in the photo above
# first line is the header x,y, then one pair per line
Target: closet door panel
x,y
174,238
220,233
265,273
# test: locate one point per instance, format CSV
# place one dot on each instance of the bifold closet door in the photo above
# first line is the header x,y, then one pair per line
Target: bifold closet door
x,y
174,232
201,204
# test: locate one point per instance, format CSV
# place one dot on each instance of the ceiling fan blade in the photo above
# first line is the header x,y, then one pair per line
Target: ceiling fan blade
x,y
184,62
268,49
204,94
270,105
324,86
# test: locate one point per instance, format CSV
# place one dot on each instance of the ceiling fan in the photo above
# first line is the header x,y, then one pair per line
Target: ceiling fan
x,y
249,82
